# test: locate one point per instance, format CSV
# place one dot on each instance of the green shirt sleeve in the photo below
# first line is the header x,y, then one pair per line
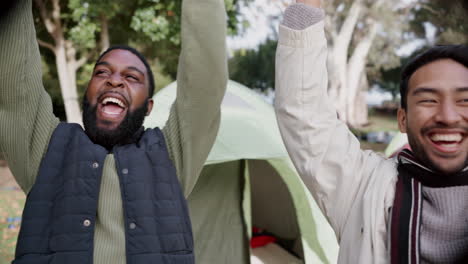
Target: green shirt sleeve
x,y
202,78
26,117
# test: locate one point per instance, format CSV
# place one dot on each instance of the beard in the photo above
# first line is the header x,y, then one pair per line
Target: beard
x,y
124,133
420,152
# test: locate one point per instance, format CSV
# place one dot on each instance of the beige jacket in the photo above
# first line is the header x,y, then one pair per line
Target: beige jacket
x,y
353,188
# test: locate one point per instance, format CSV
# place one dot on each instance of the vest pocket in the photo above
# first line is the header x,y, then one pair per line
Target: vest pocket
x,y
174,244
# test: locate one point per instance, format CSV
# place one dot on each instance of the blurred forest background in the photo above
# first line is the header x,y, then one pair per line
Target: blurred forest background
x,y
369,41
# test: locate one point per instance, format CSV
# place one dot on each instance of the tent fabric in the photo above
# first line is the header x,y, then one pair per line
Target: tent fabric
x,y
248,124
399,141
250,158
223,234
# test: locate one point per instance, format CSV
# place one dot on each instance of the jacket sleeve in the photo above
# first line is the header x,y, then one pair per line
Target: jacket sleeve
x,y
325,153
26,117
202,78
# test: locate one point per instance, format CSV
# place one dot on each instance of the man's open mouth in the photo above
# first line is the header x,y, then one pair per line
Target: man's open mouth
x,y
112,106
446,142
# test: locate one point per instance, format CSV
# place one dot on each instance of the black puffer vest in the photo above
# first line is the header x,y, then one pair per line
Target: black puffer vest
x,y
60,211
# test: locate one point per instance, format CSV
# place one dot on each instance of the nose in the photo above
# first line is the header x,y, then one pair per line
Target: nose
x,y
449,114
115,80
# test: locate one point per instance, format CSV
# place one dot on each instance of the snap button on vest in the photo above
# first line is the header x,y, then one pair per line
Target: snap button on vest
x,y
132,225
95,165
125,171
87,222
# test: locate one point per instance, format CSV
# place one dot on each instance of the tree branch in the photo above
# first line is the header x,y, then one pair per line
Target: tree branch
x,y
45,16
80,62
430,9
56,11
83,59
46,45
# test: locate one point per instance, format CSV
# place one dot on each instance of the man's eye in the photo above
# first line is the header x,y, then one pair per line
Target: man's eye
x,y
132,77
428,101
100,72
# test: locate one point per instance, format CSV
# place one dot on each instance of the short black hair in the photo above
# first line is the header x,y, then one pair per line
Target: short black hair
x,y
458,53
140,56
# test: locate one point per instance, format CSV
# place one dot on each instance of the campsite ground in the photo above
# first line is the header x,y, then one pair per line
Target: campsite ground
x,y
12,198
377,122
11,205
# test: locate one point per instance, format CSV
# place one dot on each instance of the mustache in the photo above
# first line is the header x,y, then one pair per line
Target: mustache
x,y
425,130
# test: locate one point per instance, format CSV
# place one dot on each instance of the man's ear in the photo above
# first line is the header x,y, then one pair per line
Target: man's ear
x,y
401,116
150,106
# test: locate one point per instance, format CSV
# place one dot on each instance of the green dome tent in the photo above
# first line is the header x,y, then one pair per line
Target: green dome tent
x,y
249,172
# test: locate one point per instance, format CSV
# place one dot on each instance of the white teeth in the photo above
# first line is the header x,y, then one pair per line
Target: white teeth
x,y
446,137
448,145
113,100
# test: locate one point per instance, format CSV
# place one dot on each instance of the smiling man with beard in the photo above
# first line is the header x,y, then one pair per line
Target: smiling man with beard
x,y
114,114
114,192
411,209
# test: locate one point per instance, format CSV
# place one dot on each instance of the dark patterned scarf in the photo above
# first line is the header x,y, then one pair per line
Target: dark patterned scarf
x,y
406,211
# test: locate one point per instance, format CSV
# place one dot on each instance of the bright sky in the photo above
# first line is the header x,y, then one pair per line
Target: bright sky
x,y
260,16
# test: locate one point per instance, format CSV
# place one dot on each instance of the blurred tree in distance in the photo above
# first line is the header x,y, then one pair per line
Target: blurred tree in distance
x,y
450,19
362,37
255,68
450,22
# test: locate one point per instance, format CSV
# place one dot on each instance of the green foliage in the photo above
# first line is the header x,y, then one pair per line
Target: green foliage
x,y
236,23
389,78
159,21
83,34
162,78
450,20
151,26
156,28
255,68
449,17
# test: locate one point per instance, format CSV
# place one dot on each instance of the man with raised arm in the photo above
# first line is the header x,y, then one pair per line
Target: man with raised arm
x,y
114,192
406,210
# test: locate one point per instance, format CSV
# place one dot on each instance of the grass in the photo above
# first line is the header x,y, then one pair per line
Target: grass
x,y
11,206
377,122
381,122
377,147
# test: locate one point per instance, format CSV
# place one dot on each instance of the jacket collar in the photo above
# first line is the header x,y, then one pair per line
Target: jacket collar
x,y
428,177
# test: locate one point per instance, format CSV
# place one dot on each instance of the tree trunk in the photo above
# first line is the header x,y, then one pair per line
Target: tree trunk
x,y
105,42
67,79
65,59
356,70
361,112
341,43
